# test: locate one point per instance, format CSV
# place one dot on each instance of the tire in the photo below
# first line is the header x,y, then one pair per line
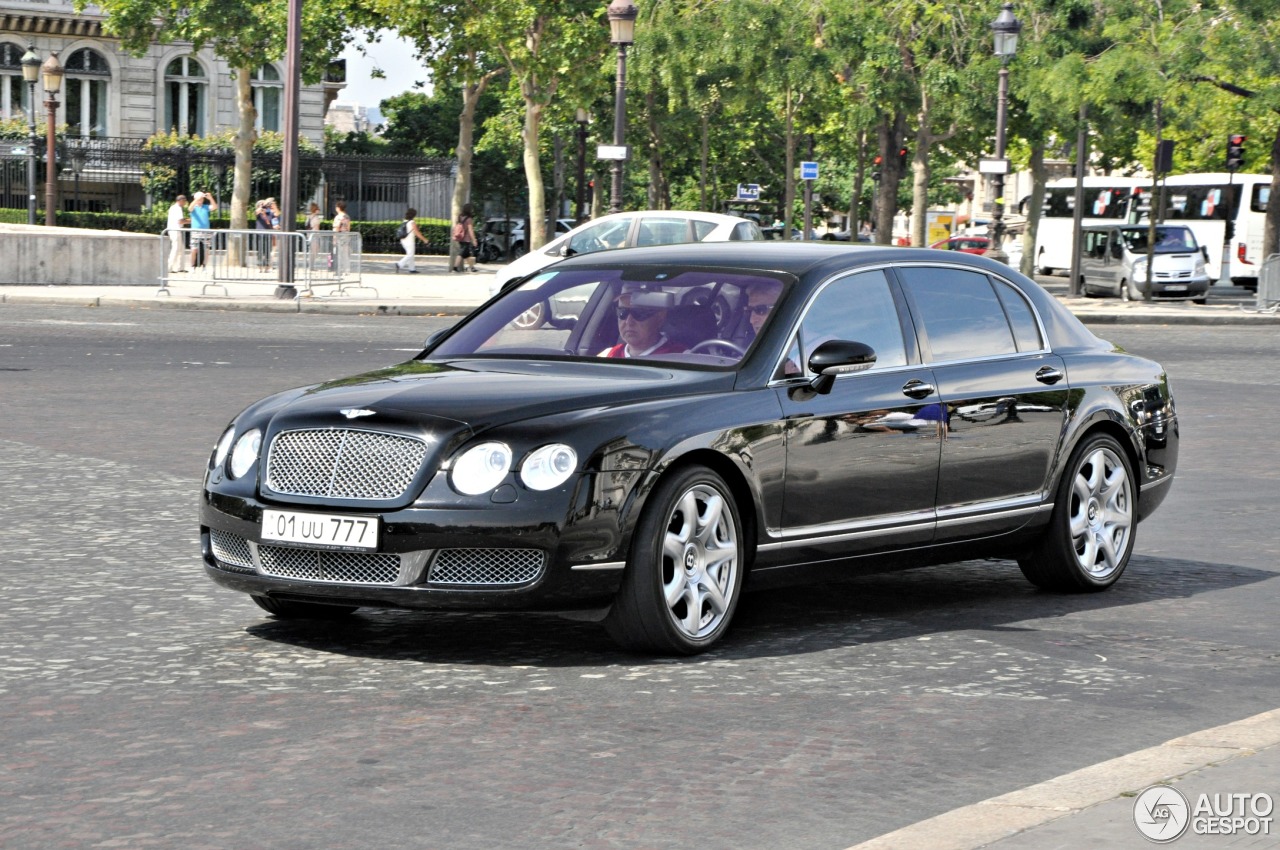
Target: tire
x,y
1041,267
533,318
1204,299
686,570
1090,535
518,251
290,610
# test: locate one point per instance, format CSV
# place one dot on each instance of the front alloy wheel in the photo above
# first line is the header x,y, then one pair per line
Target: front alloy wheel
x,y
685,573
1090,534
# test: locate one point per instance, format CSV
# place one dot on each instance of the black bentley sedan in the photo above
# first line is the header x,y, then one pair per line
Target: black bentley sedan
x,y
716,418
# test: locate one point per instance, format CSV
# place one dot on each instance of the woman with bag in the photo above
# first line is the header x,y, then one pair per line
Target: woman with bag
x,y
408,233
464,233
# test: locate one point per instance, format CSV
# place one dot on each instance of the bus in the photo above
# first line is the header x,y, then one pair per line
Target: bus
x,y
1107,200
1205,203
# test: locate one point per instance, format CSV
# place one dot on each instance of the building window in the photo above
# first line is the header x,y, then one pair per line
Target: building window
x,y
267,88
185,90
87,79
13,89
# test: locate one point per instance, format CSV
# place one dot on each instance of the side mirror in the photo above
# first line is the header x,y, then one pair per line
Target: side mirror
x,y
838,357
435,337
1204,249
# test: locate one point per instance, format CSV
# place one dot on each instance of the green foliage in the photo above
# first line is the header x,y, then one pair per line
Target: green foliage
x,y
162,177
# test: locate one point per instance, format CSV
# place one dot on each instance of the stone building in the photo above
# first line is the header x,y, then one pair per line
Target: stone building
x,y
113,100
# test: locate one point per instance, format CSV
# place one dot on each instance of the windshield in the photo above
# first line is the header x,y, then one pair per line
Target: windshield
x,y
701,317
1169,240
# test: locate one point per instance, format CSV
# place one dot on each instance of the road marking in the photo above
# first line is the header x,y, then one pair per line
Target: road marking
x,y
991,820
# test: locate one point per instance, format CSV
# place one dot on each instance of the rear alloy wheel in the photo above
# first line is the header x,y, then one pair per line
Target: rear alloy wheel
x,y
686,569
533,318
1090,534
290,610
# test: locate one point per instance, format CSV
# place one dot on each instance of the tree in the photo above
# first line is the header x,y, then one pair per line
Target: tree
x,y
242,33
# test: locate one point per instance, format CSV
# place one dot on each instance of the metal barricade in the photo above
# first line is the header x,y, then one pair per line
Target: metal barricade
x,y
215,258
1268,296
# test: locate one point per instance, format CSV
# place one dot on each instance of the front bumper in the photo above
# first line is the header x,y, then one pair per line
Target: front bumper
x,y
521,556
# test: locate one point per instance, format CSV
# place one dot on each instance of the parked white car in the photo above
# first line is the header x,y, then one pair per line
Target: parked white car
x,y
628,230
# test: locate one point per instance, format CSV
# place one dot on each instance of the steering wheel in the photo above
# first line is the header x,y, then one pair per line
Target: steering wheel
x,y
719,343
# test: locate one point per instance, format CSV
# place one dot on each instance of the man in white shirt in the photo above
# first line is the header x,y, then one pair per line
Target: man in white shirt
x,y
173,227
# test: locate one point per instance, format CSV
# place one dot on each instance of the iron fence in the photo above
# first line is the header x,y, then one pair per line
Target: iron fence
x,y
1268,295
109,174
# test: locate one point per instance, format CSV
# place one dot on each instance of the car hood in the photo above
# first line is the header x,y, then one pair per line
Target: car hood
x,y
478,394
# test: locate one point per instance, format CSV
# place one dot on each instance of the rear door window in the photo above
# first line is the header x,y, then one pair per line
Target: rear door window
x,y
960,315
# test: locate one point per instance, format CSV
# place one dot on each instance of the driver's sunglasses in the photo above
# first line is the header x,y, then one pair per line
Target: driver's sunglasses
x,y
759,309
640,314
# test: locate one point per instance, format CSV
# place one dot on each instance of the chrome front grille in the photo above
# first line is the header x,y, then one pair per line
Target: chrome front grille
x,y
324,565
343,463
486,567
231,550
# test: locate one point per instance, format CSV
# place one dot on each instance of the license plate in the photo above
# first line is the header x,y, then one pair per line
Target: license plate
x,y
331,531
1175,287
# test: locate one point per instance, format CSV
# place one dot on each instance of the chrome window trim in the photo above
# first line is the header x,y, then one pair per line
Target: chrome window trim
x,y
1044,336
925,363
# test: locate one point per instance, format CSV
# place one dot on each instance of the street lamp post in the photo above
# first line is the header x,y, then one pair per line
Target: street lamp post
x,y
31,73
622,25
51,70
583,118
1006,28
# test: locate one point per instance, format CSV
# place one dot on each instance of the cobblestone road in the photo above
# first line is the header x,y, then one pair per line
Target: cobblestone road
x,y
146,708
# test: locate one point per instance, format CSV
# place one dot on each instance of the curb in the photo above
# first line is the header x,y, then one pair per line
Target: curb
x,y
997,818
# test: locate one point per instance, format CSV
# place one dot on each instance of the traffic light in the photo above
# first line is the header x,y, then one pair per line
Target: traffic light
x,y
902,160
875,168
1235,151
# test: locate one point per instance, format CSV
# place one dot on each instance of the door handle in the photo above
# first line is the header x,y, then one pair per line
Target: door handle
x,y
916,388
1049,375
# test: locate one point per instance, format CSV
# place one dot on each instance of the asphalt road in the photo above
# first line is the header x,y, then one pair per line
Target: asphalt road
x,y
145,707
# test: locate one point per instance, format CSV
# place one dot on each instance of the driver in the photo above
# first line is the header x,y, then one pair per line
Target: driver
x,y
760,300
640,329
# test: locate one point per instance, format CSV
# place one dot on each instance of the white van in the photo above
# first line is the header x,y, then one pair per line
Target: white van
x,y
1113,261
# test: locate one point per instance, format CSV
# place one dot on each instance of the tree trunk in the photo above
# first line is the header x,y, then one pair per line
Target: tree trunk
x,y
890,142
537,231
789,182
920,189
242,180
1034,208
471,93
1271,226
855,196
702,167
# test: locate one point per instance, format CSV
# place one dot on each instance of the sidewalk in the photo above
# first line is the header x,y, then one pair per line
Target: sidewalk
x,y
434,291
1094,807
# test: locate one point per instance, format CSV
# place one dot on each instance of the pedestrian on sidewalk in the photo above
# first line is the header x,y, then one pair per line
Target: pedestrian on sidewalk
x,y
341,238
174,229
201,234
464,233
314,219
262,222
409,234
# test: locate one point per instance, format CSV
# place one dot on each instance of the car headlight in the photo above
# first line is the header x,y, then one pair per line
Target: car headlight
x,y
223,447
245,454
480,469
548,467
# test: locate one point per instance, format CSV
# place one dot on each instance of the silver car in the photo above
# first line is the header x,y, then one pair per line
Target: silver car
x,y
1113,261
618,230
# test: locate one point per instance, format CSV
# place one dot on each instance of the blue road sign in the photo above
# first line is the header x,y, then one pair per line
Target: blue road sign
x,y
808,171
748,192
